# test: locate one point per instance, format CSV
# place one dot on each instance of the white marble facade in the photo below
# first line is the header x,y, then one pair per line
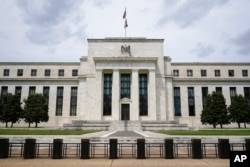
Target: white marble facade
x,y
118,56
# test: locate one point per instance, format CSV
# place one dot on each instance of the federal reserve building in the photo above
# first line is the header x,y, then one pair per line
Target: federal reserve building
x,y
125,79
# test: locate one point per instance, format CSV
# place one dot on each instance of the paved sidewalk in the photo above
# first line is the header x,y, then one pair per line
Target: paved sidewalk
x,y
19,162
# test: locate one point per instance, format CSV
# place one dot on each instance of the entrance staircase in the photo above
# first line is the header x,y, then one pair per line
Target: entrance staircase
x,y
125,125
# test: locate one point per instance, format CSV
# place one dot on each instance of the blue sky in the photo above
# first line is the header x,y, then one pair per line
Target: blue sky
x,y
56,30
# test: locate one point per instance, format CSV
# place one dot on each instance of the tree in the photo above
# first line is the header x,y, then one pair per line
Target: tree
x,y
215,110
36,109
239,110
10,109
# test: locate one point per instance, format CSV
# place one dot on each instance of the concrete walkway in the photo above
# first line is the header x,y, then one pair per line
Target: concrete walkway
x,y
19,162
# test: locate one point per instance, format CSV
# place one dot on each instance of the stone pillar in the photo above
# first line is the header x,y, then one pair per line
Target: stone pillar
x,y
152,95
169,99
134,113
99,95
116,95
81,98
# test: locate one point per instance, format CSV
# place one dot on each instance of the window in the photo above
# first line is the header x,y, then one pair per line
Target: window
x,y
203,73
107,94
245,73
189,73
177,101
19,72
143,94
4,91
218,90
47,72
73,101
6,72
191,102
59,101
247,94
232,93
125,85
217,73
230,73
74,72
32,90
61,72
33,72
204,91
18,91
176,73
46,94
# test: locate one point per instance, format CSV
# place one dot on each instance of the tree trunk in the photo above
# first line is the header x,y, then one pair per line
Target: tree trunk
x,y
221,126
6,124
214,125
29,124
238,125
12,124
36,124
245,125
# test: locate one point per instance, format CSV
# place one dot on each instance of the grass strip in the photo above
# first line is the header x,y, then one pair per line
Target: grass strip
x,y
245,132
43,132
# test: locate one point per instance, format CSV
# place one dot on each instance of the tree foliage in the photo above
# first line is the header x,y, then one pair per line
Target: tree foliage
x,y
239,110
215,111
36,109
10,109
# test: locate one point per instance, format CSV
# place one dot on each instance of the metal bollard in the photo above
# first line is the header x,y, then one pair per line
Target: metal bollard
x,y
57,149
112,148
247,144
29,149
140,148
169,148
4,145
196,149
85,145
223,148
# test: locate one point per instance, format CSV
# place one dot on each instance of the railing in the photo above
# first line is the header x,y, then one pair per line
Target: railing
x,y
138,149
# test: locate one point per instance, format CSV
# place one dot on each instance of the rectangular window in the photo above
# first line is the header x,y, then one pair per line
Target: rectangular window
x,y
6,72
204,91
61,72
59,101
231,73
189,73
46,94
218,90
125,86
47,72
176,73
33,72
107,94
18,91
74,72
247,94
4,91
232,93
191,102
177,101
245,73
19,72
203,73
73,101
32,90
143,94
217,73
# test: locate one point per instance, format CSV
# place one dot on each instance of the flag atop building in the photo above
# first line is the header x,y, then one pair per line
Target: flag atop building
x,y
126,22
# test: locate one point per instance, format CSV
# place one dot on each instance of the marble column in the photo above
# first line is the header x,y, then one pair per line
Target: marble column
x,y
134,113
99,95
152,96
169,100
116,95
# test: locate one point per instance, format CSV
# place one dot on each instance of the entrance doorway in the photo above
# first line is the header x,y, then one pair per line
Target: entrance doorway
x,y
125,112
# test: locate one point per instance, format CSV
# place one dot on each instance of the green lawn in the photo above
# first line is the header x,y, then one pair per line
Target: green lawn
x,y
43,132
244,132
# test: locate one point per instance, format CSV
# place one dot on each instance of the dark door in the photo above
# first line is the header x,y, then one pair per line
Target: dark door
x,y
125,112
